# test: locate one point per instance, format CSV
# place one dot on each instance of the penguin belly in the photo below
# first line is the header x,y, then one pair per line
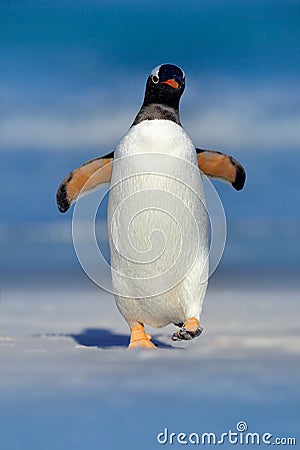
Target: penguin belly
x,y
157,226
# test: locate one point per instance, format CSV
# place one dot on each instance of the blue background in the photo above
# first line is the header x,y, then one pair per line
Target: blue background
x,y
71,81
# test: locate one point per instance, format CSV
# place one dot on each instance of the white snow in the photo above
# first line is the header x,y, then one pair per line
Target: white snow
x,y
63,356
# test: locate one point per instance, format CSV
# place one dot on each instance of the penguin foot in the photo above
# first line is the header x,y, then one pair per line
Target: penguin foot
x,y
190,330
139,339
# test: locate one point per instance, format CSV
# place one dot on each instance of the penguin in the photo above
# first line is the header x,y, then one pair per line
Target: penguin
x,y
147,291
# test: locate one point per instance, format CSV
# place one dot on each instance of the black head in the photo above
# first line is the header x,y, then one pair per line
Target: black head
x,y
165,86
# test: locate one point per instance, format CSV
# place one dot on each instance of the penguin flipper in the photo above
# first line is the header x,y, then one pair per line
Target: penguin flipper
x,y
217,165
84,179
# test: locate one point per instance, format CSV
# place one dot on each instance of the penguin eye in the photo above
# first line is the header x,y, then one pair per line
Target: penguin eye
x,y
155,79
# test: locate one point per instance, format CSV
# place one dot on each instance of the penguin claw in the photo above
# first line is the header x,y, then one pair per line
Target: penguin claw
x,y
185,335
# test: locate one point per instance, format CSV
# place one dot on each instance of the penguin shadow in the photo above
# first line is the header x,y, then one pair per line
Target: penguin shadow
x,y
106,339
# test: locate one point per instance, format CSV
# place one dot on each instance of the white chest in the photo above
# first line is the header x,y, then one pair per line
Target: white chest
x,y
156,215
157,136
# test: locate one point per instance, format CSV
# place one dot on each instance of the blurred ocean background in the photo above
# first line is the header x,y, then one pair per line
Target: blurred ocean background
x,y
71,82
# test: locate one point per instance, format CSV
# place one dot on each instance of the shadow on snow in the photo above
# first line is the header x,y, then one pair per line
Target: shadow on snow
x,y
103,338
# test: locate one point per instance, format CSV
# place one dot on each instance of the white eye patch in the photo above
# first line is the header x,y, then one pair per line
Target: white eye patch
x,y
155,71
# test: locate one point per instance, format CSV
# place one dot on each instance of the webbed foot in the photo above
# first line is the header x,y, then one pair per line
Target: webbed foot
x,y
139,339
190,330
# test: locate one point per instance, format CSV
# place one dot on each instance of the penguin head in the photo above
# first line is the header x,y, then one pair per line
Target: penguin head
x,y
165,85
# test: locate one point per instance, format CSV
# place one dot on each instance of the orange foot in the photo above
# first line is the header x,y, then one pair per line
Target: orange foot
x,y
191,325
190,330
138,337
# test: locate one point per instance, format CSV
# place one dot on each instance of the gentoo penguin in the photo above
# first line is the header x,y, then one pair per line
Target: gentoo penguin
x,y
145,292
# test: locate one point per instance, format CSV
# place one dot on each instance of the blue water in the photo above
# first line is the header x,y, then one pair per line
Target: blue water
x,y
75,60
82,39
263,220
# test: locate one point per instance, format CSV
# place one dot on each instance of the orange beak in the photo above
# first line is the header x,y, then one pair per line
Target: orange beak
x,y
171,83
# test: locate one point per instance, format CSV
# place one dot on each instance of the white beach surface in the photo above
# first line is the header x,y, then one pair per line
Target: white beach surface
x,y
68,381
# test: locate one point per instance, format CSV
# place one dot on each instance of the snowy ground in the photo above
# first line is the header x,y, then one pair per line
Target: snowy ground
x,y
68,381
